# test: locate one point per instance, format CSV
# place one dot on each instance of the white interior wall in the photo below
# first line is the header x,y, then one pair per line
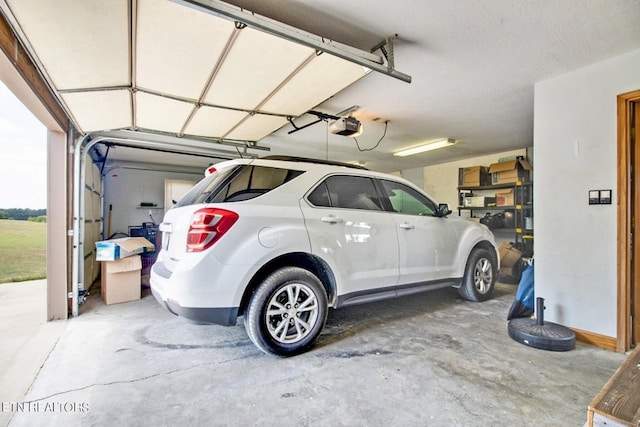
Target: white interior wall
x,y
126,187
575,140
415,176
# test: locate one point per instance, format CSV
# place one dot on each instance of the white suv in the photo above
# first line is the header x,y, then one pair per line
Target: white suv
x,y
279,240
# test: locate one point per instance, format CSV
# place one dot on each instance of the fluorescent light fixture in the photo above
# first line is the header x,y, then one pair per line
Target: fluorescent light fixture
x,y
425,147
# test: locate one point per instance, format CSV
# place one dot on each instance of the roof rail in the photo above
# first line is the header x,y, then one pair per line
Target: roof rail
x,y
309,160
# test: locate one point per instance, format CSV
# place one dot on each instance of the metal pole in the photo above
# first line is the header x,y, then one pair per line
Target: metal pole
x,y
539,311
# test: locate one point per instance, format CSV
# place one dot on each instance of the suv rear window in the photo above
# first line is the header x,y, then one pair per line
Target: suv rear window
x,y
235,184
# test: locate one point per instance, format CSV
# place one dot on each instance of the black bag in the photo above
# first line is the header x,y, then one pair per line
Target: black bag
x,y
493,221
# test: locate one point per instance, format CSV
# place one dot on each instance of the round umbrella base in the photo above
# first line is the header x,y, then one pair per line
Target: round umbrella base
x,y
548,336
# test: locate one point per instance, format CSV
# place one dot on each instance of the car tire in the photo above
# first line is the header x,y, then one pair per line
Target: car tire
x,y
287,312
479,276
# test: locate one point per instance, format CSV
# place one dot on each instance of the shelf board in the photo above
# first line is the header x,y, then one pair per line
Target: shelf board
x,y
496,186
487,208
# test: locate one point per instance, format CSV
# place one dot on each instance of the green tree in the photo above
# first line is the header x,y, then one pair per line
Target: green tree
x,y
23,214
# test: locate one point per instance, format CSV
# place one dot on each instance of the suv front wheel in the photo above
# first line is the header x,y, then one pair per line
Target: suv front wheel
x,y
287,312
479,276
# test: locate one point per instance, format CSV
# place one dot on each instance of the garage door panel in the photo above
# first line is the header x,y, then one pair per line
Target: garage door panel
x,y
214,121
99,110
257,127
177,47
322,77
150,64
256,65
91,271
160,113
92,231
82,44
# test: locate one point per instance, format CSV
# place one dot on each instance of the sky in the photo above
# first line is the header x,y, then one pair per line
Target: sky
x,y
23,155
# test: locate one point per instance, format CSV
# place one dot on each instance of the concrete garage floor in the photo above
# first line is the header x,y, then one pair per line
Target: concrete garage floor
x,y
429,360
26,339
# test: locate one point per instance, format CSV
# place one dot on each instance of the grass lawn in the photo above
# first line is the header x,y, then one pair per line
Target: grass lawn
x,y
23,247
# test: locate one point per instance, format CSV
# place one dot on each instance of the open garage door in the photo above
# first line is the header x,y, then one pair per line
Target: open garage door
x,y
198,68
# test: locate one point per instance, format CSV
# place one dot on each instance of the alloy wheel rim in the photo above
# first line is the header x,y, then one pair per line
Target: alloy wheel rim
x,y
483,275
291,313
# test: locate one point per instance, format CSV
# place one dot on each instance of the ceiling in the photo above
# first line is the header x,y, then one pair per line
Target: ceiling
x,y
473,66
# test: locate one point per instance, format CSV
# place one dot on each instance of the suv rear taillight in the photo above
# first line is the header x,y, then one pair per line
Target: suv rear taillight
x,y
207,226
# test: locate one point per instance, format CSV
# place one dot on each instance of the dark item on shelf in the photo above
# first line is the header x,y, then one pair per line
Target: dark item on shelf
x,y
509,220
493,221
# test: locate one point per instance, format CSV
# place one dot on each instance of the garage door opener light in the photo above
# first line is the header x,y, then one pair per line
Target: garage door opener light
x,y
425,147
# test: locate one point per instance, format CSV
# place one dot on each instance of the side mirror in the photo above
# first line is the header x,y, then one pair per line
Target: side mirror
x,y
443,210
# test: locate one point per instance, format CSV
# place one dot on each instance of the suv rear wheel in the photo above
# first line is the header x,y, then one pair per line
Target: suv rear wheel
x,y
287,312
479,276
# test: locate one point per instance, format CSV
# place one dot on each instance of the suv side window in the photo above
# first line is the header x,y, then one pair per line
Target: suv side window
x,y
406,200
237,183
345,191
252,181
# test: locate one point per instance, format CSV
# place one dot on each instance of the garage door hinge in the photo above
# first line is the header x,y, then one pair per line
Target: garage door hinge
x,y
70,233
72,149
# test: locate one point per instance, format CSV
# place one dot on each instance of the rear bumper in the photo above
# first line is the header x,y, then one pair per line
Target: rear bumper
x,y
220,316
160,286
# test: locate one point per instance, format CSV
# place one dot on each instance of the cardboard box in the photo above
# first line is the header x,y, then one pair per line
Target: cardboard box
x,y
508,255
509,172
114,249
120,280
505,271
474,176
505,197
479,201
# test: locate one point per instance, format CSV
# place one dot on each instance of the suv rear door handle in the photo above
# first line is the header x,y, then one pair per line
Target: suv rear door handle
x,y
331,219
407,226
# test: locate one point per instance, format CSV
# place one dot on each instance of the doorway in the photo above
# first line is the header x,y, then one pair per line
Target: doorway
x,y
628,321
174,189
